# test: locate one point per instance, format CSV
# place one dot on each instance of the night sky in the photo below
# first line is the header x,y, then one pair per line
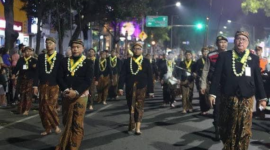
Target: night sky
x,y
193,11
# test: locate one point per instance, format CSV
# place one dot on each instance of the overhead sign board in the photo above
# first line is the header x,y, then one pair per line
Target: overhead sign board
x,y
156,21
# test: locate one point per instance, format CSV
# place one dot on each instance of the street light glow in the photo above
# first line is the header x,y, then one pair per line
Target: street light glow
x,y
220,32
178,4
229,21
225,27
153,42
199,26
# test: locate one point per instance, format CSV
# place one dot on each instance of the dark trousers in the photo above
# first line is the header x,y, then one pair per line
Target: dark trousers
x,y
168,93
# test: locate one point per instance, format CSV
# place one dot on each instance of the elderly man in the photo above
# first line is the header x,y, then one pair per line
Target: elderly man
x,y
237,73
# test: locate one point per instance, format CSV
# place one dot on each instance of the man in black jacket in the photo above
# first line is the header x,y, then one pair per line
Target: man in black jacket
x,y
115,65
187,82
238,75
46,77
137,74
75,77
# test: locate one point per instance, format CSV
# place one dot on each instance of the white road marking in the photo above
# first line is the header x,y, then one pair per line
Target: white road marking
x,y
91,114
10,124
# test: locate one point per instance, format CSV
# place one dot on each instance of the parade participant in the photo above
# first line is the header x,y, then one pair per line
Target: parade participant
x,y
104,78
263,63
208,70
154,69
199,69
115,65
167,74
91,55
47,70
237,77
136,74
187,82
75,77
26,66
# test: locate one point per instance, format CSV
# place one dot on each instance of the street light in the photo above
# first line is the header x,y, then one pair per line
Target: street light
x,y
229,21
225,27
178,4
220,32
153,42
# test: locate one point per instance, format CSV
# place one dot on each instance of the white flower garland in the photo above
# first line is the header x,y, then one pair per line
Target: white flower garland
x,y
233,65
52,65
77,67
131,69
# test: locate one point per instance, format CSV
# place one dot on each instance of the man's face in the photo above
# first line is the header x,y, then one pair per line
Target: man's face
x,y
222,45
205,52
50,45
188,56
76,49
113,53
241,43
103,55
91,53
27,53
137,50
259,53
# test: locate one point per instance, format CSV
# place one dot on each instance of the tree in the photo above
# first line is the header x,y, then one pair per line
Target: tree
x,y
254,5
10,35
107,11
60,21
39,9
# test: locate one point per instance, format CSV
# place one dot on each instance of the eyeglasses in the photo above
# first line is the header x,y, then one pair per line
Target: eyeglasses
x,y
241,39
137,48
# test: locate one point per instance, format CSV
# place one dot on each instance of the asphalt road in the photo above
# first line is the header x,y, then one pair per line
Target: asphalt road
x,y
105,129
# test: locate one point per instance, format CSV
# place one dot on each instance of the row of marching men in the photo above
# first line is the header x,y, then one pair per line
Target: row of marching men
x,y
75,78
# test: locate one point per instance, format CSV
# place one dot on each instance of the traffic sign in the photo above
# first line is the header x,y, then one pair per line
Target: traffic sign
x,y
142,35
156,21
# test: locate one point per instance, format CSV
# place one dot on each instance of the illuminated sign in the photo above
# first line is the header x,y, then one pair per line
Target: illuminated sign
x,y
17,25
132,28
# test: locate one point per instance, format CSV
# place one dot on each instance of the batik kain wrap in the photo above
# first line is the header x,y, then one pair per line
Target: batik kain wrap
x,y
102,88
235,122
135,102
47,106
187,94
26,94
114,86
92,92
73,120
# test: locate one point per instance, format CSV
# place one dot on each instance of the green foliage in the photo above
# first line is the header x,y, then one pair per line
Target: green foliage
x,y
254,5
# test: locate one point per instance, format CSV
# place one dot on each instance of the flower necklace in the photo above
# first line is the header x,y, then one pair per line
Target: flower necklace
x,y
51,60
102,67
114,60
138,61
72,68
243,61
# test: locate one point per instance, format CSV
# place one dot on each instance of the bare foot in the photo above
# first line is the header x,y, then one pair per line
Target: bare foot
x,y
57,130
45,133
91,107
26,113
